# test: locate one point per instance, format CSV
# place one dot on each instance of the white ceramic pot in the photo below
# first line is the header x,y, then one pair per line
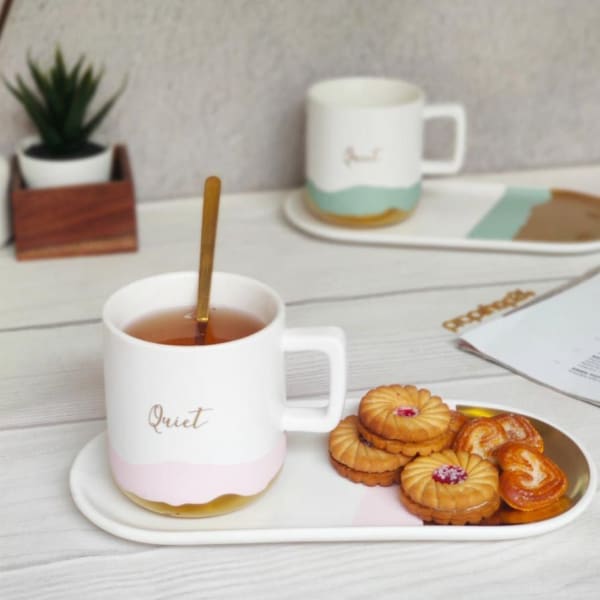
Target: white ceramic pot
x,y
43,173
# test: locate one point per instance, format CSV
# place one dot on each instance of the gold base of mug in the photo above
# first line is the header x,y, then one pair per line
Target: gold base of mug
x,y
219,506
388,217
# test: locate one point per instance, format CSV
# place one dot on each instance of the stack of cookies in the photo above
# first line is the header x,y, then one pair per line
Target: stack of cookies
x,y
394,424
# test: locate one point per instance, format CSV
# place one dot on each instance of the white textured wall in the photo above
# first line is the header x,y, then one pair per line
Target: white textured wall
x,y
218,85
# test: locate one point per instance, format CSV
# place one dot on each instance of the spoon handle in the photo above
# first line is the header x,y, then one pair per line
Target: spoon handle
x,y
210,213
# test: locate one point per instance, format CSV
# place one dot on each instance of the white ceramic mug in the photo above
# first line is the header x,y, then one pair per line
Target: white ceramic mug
x,y
188,425
364,148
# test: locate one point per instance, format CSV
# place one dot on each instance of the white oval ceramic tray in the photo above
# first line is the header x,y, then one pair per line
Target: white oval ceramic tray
x,y
455,213
309,501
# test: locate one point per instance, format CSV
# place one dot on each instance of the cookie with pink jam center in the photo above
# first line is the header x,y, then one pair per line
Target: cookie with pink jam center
x,y
423,448
450,487
403,413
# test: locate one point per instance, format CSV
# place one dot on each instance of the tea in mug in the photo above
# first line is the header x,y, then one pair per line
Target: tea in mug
x,y
177,326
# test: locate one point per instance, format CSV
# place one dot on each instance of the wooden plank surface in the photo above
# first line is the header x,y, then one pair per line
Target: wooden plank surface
x,y
391,303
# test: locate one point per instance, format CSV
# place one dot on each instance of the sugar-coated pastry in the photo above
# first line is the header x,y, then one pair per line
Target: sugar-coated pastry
x,y
450,487
480,436
403,412
423,448
356,459
529,480
520,429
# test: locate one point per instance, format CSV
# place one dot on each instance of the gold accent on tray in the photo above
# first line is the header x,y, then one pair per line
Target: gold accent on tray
x,y
510,300
567,217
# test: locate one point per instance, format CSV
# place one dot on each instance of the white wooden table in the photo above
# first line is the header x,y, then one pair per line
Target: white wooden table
x,y
390,301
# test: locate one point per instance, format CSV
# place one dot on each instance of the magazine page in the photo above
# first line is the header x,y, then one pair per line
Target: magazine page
x,y
554,339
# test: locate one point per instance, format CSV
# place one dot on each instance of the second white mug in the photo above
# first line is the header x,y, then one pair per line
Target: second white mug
x,y
364,148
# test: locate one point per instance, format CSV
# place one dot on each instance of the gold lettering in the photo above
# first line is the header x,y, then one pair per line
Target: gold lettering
x,y
197,413
450,324
351,156
159,421
510,300
155,417
485,310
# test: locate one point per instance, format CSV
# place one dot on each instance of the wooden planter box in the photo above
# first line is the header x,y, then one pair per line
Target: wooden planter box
x,y
75,220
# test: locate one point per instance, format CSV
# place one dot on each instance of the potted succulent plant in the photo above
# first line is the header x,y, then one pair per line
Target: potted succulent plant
x,y
58,105
70,196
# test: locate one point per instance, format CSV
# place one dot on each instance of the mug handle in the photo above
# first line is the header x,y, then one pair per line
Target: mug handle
x,y
456,112
332,342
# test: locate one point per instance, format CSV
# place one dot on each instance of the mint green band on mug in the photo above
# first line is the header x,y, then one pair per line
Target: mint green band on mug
x,y
364,200
509,214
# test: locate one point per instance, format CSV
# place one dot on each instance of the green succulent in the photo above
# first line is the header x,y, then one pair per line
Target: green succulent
x,y
60,100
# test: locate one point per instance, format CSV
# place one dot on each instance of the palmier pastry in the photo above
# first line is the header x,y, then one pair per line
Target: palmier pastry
x,y
481,436
529,480
519,429
403,412
423,448
356,459
450,487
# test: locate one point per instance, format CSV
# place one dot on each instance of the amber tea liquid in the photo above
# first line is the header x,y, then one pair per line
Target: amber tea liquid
x,y
177,326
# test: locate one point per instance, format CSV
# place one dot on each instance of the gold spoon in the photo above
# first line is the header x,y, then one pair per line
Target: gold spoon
x,y
210,213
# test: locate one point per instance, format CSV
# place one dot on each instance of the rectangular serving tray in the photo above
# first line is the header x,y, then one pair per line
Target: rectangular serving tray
x,y
309,501
463,214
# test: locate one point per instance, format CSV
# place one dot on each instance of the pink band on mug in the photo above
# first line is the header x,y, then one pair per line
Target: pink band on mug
x,y
188,483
